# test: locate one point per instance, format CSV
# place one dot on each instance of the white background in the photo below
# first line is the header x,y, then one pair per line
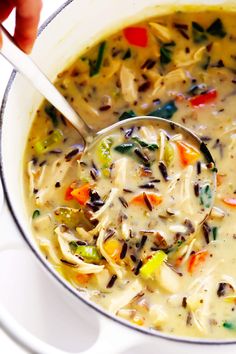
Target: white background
x,y
6,345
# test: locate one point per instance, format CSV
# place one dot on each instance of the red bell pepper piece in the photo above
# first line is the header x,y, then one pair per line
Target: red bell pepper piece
x,y
68,195
137,36
203,99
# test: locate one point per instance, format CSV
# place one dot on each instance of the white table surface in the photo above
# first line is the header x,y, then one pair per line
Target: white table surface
x,y
7,346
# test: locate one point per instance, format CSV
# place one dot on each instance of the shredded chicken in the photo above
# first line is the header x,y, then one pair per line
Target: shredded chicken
x,y
64,238
128,85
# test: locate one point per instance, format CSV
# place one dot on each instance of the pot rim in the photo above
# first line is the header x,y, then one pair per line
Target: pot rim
x,y
45,263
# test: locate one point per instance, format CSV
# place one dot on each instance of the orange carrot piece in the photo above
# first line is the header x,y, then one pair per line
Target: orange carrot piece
x,y
196,259
188,154
81,194
230,201
153,198
83,278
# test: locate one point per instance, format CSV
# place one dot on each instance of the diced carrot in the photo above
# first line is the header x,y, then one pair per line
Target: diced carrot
x,y
188,154
154,199
68,195
113,248
81,194
203,99
83,278
196,259
230,201
219,179
137,36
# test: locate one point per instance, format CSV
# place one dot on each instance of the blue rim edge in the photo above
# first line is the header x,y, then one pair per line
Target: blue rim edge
x,y
53,273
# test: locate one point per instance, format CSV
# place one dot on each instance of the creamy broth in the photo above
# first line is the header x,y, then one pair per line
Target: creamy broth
x,y
149,262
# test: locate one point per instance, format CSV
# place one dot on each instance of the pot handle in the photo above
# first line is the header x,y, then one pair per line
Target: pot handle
x,y
111,340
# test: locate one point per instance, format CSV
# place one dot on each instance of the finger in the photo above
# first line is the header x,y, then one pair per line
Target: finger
x,y
27,20
6,8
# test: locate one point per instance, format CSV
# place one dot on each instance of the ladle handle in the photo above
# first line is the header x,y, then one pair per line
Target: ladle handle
x,y
25,65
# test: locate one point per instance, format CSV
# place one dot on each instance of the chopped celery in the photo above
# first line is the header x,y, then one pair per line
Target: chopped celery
x,y
71,217
148,269
104,155
44,145
169,153
90,254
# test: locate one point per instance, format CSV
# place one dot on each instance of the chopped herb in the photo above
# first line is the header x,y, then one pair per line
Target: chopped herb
x,y
229,325
127,54
215,232
142,143
127,115
166,55
216,29
206,196
166,111
52,113
36,214
198,33
95,66
124,148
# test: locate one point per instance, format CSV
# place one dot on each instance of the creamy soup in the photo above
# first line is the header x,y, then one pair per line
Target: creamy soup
x,y
127,223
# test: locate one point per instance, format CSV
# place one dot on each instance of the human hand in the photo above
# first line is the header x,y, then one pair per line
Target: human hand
x,y
27,20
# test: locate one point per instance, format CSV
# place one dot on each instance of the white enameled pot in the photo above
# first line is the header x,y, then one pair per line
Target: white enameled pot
x,y
74,27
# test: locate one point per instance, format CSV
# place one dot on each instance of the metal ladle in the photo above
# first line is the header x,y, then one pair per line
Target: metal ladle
x,y
25,65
